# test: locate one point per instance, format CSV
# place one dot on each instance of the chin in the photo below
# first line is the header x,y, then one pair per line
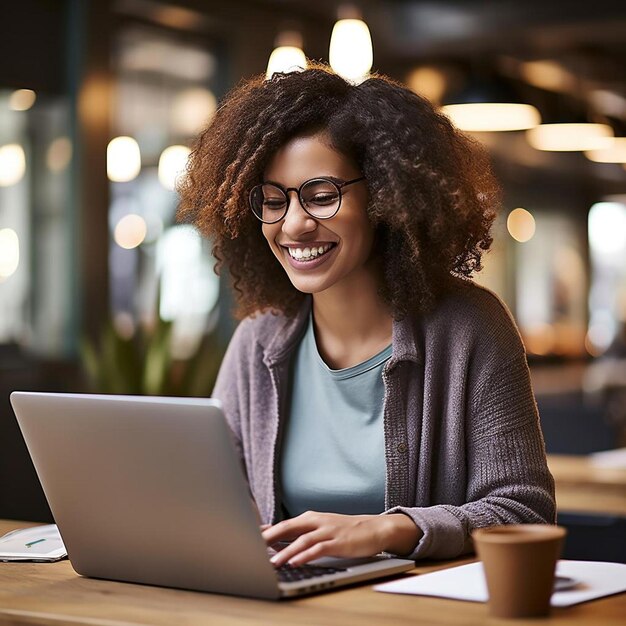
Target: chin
x,y
309,286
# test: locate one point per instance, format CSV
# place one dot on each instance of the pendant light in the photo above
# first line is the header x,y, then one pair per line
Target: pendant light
x,y
570,137
614,152
489,104
287,55
350,53
492,116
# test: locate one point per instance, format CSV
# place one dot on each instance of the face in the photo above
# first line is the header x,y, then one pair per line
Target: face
x,y
338,248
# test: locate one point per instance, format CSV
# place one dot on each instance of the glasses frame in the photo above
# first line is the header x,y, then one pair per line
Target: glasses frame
x,y
298,190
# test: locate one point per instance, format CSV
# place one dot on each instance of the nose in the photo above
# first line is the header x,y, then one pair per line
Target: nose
x,y
297,220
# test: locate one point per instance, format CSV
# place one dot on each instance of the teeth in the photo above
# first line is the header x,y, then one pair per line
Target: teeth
x,y
309,253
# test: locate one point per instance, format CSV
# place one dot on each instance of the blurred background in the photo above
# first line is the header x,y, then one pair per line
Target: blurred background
x,y
99,100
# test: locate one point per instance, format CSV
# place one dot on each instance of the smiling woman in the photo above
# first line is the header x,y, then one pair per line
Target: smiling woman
x,y
380,401
345,236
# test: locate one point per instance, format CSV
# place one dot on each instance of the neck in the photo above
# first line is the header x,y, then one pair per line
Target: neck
x,y
351,321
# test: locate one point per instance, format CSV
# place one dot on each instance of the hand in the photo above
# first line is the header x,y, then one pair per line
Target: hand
x,y
314,535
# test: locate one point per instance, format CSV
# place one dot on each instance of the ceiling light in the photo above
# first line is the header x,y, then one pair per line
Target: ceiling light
x,y
569,137
350,54
614,152
492,116
287,55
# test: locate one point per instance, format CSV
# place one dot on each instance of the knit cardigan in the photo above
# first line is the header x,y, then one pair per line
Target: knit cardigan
x,y
463,445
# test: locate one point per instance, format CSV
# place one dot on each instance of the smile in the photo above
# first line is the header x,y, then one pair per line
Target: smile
x,y
309,253
309,258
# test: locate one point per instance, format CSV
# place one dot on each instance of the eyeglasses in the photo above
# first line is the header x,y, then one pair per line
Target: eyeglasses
x,y
319,197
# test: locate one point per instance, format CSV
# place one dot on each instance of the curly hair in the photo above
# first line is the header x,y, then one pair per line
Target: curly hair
x,y
432,196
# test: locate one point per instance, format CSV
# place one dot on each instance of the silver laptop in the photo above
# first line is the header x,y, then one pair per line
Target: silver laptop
x,y
150,490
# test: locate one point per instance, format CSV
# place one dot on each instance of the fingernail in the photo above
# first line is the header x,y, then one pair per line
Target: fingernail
x,y
274,558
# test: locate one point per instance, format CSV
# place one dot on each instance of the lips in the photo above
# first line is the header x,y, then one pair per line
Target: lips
x,y
310,260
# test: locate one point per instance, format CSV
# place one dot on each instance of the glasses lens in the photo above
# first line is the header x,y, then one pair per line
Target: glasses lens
x,y
268,202
321,198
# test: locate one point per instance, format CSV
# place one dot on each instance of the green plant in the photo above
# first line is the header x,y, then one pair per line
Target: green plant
x,y
144,364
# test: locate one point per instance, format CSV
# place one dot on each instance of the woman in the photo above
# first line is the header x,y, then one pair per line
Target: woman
x,y
380,401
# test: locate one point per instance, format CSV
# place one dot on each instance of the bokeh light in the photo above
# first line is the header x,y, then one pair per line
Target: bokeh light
x,y
59,154
22,99
130,231
521,225
123,159
12,164
172,164
9,253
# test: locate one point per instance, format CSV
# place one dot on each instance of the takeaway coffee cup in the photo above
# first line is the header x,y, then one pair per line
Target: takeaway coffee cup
x,y
519,563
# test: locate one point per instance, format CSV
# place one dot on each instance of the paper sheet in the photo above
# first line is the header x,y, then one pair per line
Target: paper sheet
x,y
467,582
39,543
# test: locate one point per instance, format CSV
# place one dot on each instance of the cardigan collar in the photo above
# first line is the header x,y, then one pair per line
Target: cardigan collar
x,y
283,334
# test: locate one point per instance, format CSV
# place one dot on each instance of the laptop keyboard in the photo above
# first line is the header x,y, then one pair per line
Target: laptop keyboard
x,y
289,574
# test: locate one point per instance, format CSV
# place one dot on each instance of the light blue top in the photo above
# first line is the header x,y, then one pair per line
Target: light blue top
x,y
333,456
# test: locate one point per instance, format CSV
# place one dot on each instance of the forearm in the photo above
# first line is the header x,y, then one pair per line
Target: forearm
x,y
400,534
518,489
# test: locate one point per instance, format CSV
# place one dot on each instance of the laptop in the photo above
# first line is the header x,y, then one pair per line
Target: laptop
x,y
150,490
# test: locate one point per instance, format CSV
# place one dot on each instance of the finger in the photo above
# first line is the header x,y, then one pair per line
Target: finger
x,y
323,548
288,530
303,542
265,526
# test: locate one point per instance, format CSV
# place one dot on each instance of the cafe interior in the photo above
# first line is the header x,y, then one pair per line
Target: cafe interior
x,y
102,291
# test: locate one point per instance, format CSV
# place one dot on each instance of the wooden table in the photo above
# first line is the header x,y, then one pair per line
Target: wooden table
x,y
586,488
52,594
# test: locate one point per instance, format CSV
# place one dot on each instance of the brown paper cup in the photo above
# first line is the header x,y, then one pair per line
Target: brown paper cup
x,y
519,563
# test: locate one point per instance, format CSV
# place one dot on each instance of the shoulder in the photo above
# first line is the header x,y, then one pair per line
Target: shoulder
x,y
270,331
466,299
258,330
472,315
244,354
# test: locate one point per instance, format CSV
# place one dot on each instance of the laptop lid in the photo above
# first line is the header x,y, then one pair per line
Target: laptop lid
x,y
147,489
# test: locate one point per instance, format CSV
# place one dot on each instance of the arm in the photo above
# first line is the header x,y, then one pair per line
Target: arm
x,y
508,478
508,483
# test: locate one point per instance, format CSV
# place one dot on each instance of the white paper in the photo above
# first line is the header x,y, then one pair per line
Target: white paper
x,y
612,459
39,543
467,582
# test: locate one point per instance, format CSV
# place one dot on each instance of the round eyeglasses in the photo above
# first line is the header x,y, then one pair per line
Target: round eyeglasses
x,y
319,197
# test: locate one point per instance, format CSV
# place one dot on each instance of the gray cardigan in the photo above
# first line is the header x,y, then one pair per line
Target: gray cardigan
x,y
463,445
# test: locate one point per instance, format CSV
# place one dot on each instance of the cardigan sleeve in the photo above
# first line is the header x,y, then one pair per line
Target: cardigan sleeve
x,y
508,477
232,387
